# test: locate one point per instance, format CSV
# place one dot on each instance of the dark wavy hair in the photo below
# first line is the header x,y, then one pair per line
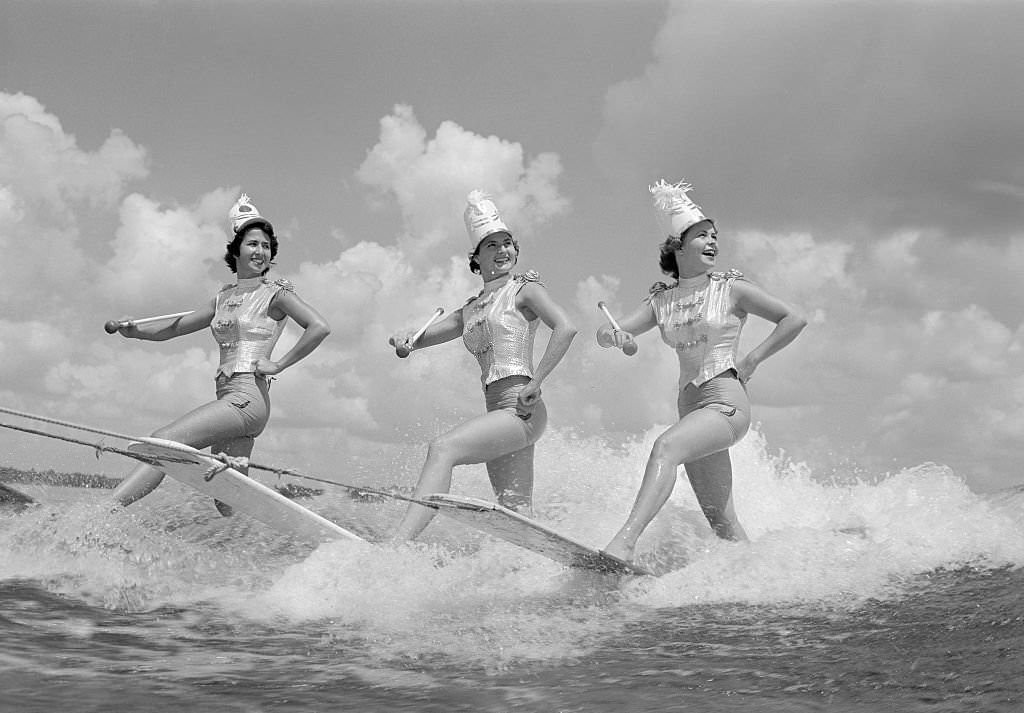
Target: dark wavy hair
x,y
474,265
667,250
235,246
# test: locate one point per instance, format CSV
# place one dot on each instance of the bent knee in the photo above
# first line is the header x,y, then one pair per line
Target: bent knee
x,y
443,448
663,452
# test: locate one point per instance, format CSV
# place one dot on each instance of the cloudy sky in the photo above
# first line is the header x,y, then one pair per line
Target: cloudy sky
x,y
864,160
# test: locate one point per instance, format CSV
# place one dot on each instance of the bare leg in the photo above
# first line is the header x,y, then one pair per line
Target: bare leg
x,y
210,423
479,440
512,480
240,447
139,483
236,447
711,479
696,436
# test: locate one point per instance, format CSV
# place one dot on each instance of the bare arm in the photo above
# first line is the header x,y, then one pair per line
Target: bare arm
x,y
534,300
637,322
751,299
162,331
314,326
439,332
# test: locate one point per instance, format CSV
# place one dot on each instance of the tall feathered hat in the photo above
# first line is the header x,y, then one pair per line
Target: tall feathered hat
x,y
244,215
482,218
676,212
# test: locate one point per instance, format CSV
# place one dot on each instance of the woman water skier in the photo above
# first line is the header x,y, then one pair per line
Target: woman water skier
x,y
246,319
497,327
700,316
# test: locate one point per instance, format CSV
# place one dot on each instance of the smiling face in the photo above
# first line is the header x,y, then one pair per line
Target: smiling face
x,y
699,249
254,253
496,255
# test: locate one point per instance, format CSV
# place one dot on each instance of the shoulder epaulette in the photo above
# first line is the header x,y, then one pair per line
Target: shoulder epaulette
x,y
730,274
656,289
283,284
529,276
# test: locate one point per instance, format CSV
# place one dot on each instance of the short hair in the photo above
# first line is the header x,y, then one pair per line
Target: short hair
x,y
474,265
667,250
235,246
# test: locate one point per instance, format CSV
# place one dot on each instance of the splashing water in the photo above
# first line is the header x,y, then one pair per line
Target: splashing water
x,y
233,597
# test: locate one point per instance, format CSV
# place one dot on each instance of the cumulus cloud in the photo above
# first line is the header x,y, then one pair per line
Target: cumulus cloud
x,y
889,371
798,263
373,289
129,383
916,384
25,345
48,168
858,159
47,185
795,114
910,282
163,254
612,392
429,179
163,258
883,375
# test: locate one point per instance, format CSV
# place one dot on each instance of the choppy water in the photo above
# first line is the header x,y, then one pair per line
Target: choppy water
x,y
168,607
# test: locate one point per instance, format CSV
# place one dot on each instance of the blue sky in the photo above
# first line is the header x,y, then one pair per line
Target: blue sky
x,y
863,160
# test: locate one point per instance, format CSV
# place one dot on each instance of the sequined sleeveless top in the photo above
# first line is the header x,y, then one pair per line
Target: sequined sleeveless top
x,y
696,319
497,334
242,326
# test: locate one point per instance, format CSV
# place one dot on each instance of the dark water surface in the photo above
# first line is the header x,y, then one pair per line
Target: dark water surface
x,y
903,595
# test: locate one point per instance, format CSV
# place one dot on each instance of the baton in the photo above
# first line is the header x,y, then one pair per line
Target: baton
x,y
629,348
114,325
403,350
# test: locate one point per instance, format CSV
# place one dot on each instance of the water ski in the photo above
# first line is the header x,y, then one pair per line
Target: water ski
x,y
210,477
512,527
10,496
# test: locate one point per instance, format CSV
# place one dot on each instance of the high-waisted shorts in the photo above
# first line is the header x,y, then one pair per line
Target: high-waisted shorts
x,y
248,398
723,393
503,395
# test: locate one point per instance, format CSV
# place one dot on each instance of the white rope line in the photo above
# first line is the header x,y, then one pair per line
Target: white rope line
x,y
66,424
226,461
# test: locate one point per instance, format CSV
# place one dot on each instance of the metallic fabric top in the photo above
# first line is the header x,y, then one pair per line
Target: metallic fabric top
x,y
695,318
243,329
497,334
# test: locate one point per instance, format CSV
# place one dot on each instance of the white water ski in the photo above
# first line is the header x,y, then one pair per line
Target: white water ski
x,y
512,527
